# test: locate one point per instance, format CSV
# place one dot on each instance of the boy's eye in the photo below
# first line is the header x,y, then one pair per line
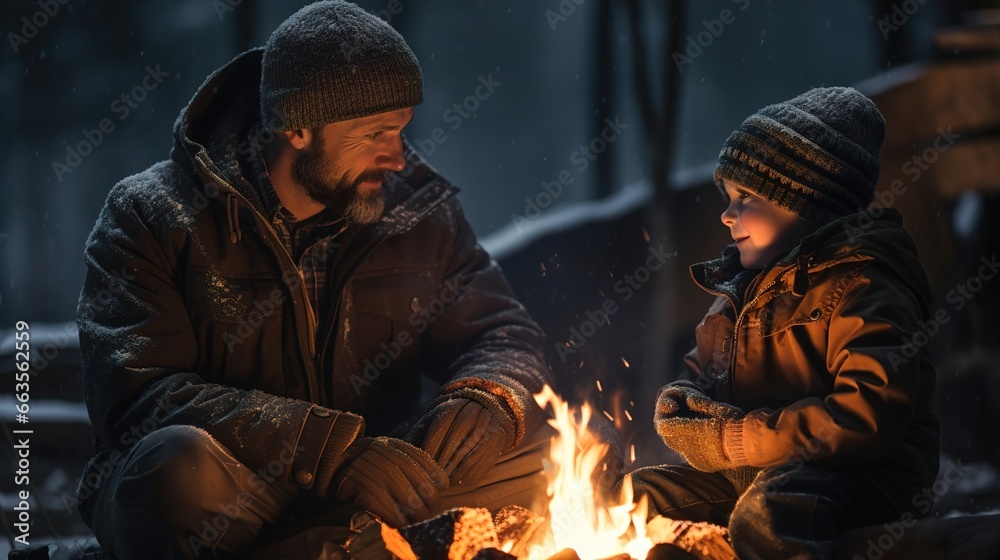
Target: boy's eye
x,y
743,195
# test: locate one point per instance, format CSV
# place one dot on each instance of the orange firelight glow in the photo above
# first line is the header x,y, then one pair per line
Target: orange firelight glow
x,y
593,525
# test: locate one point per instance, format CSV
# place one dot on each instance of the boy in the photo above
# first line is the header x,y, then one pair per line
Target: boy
x,y
798,411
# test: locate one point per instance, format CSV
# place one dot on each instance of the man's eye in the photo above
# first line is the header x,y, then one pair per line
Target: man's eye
x,y
376,135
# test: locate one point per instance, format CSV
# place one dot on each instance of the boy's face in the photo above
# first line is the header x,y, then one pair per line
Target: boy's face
x,y
762,230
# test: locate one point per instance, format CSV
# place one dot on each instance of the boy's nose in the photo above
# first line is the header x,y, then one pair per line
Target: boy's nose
x,y
728,216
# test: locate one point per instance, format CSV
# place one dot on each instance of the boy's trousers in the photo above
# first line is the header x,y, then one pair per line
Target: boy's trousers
x,y
788,511
178,493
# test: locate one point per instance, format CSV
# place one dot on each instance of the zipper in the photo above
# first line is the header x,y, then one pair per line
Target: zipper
x,y
736,329
340,284
276,240
728,383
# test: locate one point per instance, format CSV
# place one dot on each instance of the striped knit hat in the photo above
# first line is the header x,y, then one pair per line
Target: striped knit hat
x,y
332,61
815,155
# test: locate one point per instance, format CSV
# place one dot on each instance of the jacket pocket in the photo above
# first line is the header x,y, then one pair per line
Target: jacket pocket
x,y
388,311
237,318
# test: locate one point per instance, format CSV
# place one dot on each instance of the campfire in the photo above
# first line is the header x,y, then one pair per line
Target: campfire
x,y
581,523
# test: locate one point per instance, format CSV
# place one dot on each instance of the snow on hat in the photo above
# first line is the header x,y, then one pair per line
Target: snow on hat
x,y
815,155
333,61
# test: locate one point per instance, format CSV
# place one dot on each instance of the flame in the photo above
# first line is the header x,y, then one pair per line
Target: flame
x,y
580,519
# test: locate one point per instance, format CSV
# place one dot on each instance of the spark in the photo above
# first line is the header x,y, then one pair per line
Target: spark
x,y
624,361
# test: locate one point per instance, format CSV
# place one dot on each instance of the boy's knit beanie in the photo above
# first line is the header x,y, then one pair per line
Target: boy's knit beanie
x,y
815,155
333,61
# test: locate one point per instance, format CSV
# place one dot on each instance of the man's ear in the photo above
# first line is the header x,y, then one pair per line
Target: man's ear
x,y
299,139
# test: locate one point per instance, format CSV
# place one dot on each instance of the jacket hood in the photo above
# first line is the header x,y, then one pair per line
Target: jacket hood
x,y
857,237
216,127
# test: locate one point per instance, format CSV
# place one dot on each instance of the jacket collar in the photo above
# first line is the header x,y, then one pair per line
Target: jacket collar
x,y
855,237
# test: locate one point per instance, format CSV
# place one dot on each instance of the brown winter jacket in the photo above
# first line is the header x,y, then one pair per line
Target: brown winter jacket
x,y
822,349
193,312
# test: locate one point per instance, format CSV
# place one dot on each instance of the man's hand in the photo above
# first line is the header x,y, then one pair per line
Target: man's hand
x,y
390,478
465,438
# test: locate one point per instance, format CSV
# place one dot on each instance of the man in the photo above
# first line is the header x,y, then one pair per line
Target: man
x,y
259,309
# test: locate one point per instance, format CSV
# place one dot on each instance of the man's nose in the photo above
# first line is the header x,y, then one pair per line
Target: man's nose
x,y
392,156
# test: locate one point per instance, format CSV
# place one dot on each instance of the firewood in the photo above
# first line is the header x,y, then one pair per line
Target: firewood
x,y
704,541
378,541
565,554
520,527
457,534
493,554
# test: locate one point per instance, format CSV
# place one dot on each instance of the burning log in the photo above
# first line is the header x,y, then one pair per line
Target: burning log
x,y
457,534
704,541
518,530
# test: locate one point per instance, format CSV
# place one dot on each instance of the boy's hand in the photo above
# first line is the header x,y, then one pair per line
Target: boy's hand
x,y
698,440
687,401
693,425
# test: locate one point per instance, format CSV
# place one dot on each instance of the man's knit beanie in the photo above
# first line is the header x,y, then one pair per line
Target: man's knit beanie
x,y
332,61
815,155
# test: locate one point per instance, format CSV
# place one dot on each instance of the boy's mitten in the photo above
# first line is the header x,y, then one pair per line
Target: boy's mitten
x,y
394,480
686,400
697,429
465,432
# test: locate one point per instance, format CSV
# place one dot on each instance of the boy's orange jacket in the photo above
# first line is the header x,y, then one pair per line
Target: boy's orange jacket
x,y
825,350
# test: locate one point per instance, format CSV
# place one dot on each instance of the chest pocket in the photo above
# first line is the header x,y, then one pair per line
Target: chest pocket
x,y
389,312
785,310
237,318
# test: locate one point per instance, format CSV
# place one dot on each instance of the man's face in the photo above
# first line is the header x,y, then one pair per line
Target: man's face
x,y
763,231
345,163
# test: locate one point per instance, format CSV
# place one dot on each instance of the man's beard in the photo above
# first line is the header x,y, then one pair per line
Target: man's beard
x,y
314,170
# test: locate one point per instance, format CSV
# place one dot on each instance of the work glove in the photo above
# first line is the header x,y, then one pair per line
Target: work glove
x,y
465,434
693,425
389,477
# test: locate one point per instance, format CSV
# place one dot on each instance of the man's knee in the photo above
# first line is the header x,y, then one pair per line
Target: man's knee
x,y
177,469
